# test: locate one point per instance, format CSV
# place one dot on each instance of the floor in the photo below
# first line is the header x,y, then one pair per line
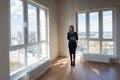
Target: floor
x,y
84,70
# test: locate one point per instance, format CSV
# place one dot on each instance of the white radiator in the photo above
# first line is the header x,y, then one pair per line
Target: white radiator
x,y
35,73
96,58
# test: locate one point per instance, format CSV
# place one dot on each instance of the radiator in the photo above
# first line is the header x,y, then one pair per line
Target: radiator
x,y
35,73
96,58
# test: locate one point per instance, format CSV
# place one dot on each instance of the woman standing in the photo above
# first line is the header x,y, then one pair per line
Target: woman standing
x,y
72,44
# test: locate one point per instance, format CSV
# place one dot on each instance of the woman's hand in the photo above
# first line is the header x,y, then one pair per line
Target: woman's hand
x,y
73,38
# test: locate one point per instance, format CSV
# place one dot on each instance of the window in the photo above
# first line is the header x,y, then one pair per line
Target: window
x,y
107,24
32,23
42,24
94,47
82,25
28,35
17,59
16,18
94,26
96,31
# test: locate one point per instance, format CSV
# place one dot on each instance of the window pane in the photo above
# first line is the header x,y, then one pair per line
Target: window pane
x,y
32,54
108,48
32,21
94,25
16,22
82,25
43,24
94,47
16,59
82,46
107,24
43,50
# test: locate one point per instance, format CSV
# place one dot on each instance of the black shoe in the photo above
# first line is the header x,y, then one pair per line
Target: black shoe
x,y
73,63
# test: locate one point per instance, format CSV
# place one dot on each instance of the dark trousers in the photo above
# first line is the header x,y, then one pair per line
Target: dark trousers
x,y
72,49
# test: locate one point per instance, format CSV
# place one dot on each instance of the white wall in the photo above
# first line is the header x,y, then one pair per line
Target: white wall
x,y
52,6
4,42
67,15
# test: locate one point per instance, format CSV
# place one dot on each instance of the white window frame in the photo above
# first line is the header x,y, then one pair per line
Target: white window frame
x,y
26,67
100,39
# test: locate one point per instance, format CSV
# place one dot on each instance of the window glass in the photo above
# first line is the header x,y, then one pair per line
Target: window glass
x,y
82,46
43,50
16,59
108,47
32,54
43,24
82,25
32,23
16,22
107,24
94,47
94,25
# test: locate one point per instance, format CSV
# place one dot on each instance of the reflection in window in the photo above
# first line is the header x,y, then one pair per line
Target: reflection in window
x,y
94,26
82,25
32,21
107,24
17,59
107,48
94,47
16,22
43,24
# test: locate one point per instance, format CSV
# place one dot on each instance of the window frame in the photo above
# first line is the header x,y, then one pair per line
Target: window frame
x,y
101,39
26,68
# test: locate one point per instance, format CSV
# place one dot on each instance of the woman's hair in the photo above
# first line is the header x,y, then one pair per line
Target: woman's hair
x,y
72,28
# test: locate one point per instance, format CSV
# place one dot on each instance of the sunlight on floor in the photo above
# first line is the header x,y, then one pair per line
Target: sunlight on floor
x,y
96,71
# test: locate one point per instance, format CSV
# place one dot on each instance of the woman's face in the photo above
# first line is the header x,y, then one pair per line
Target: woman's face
x,y
70,29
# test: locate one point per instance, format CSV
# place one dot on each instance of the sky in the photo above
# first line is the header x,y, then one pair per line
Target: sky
x,y
17,19
16,11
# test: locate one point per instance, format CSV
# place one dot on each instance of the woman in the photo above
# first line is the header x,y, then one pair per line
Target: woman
x,y
72,44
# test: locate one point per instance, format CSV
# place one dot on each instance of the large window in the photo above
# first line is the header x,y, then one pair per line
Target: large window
x,y
17,18
32,23
96,31
28,35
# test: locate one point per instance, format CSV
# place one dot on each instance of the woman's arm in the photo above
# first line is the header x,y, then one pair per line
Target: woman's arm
x,y
68,37
76,36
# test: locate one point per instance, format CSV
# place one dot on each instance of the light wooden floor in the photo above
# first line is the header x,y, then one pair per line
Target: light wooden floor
x,y
61,70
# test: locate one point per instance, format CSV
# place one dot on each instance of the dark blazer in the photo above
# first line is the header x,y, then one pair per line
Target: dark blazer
x,y
76,36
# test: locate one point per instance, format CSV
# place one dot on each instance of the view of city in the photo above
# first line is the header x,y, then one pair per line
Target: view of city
x,y
84,41
17,59
106,35
108,47
34,53
31,53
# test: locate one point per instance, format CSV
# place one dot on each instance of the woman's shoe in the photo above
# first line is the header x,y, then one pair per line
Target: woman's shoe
x,y
73,63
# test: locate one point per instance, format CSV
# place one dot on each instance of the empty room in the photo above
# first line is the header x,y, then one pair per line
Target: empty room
x,y
60,40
